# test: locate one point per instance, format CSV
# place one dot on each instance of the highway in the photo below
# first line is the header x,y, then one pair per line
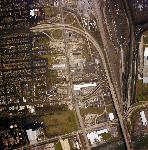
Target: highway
x,y
132,63
115,96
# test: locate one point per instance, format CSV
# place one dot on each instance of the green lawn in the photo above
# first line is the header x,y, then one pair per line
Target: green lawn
x,y
57,34
110,109
59,123
50,11
141,142
58,146
106,136
146,40
42,41
69,19
49,57
96,110
141,91
76,24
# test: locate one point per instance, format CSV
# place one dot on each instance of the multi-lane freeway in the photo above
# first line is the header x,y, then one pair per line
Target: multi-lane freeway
x,y
114,90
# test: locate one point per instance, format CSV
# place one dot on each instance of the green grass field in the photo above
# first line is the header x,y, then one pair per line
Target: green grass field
x,y
141,91
69,19
110,109
96,110
58,146
141,142
57,34
59,123
50,11
106,136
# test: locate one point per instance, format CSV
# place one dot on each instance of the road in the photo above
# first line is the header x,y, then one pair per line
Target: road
x,y
115,97
82,125
132,109
74,101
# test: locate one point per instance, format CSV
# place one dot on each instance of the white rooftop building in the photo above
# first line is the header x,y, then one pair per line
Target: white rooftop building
x,y
111,116
33,12
95,136
143,118
146,51
58,66
32,136
77,87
